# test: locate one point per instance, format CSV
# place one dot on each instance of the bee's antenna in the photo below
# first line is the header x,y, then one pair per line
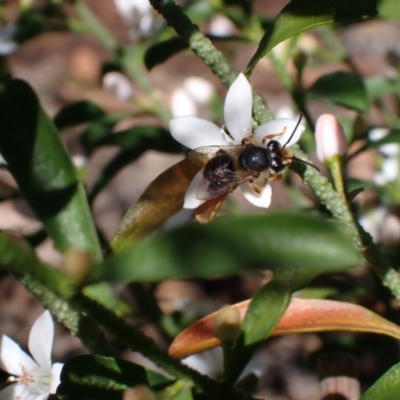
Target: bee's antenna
x,y
294,130
305,162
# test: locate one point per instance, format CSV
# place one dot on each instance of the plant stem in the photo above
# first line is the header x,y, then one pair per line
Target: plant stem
x,y
130,57
203,47
78,324
137,341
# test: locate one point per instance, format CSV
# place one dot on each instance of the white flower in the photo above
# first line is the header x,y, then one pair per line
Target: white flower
x,y
136,13
33,379
389,168
118,84
194,132
194,91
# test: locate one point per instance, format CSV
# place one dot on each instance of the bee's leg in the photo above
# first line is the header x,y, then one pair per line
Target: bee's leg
x,y
248,139
255,187
258,182
276,177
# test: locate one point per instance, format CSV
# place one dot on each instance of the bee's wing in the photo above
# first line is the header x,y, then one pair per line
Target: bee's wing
x,y
201,155
227,182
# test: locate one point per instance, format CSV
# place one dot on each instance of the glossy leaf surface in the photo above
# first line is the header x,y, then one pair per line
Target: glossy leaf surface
x,y
96,377
300,15
341,88
36,157
302,316
263,314
264,311
297,246
387,387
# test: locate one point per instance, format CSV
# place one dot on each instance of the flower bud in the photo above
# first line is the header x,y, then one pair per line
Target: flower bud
x,y
227,324
330,138
78,264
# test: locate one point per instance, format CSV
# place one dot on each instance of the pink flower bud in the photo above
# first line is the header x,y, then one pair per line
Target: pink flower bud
x,y
330,138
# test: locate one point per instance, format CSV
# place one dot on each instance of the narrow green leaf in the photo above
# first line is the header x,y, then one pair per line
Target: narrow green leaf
x,y
36,157
300,15
265,310
263,314
37,21
293,244
133,143
162,51
341,88
97,377
387,387
77,113
16,255
379,86
184,394
100,132
95,26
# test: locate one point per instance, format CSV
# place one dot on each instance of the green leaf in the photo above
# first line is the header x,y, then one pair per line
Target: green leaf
x,y
36,21
133,143
387,387
36,157
389,9
162,51
100,132
341,88
77,113
265,311
300,15
95,377
16,255
293,244
378,86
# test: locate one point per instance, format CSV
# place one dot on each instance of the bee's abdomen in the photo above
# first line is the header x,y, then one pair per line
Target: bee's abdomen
x,y
218,170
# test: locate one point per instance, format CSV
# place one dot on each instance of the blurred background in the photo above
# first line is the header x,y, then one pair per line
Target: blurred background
x,y
102,52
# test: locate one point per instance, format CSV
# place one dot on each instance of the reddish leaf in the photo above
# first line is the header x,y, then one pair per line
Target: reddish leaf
x,y
208,210
160,201
302,316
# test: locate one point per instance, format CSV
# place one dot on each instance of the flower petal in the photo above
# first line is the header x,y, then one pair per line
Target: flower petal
x,y
8,393
41,340
190,197
237,108
13,358
195,132
259,200
283,127
55,376
20,392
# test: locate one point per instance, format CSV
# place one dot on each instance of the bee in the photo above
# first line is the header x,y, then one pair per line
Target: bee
x,y
226,167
